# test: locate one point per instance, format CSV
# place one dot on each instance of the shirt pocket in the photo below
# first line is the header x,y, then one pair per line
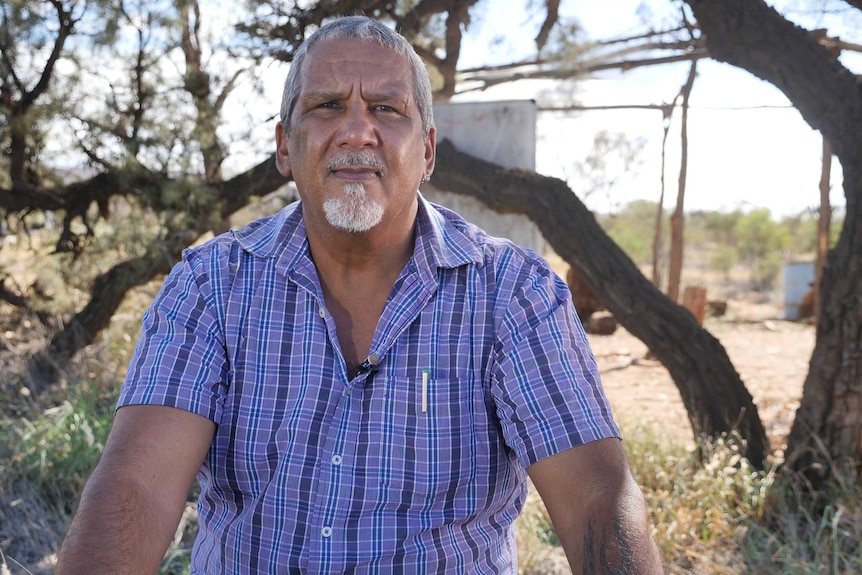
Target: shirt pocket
x,y
428,453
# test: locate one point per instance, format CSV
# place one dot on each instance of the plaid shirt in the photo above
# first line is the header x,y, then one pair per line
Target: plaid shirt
x,y
416,465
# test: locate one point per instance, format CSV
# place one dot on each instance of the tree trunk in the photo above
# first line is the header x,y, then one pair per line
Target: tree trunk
x,y
713,393
826,437
677,220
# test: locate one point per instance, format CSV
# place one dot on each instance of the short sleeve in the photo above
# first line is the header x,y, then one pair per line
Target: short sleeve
x,y
546,384
180,359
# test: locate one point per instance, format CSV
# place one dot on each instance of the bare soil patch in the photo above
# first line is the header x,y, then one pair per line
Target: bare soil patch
x,y
770,354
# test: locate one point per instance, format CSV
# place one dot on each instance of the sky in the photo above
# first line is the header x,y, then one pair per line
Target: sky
x,y
748,147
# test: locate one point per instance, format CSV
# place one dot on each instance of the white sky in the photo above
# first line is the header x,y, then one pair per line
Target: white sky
x,y
738,157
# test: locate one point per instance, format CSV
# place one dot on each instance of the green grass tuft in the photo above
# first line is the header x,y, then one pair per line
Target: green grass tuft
x,y
57,449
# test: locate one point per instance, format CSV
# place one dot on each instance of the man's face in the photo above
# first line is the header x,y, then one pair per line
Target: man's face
x,y
356,147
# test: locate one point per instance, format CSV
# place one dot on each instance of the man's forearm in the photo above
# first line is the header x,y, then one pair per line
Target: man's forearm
x,y
613,543
618,552
118,529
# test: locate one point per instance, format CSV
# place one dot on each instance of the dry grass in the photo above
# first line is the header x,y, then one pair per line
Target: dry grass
x,y
712,513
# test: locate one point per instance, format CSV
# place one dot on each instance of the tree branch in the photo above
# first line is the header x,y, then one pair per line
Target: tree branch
x,y
565,73
65,23
552,14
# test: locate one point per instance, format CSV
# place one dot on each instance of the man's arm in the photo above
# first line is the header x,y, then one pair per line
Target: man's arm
x,y
597,509
134,499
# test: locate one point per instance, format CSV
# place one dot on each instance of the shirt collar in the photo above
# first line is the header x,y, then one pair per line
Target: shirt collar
x,y
443,238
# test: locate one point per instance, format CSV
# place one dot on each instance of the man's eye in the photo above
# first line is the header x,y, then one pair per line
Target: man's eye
x,y
383,108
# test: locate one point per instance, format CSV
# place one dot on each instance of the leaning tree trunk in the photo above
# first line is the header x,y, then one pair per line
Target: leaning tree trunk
x,y
713,393
827,434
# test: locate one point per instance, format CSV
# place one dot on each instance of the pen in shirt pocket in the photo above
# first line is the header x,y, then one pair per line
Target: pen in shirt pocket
x,y
426,375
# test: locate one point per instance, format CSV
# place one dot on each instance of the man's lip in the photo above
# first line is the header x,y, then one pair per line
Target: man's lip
x,y
356,172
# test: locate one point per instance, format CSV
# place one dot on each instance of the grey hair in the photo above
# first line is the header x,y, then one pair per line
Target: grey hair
x,y
360,28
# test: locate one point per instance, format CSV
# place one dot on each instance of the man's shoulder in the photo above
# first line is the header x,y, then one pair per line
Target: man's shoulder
x,y
495,250
264,237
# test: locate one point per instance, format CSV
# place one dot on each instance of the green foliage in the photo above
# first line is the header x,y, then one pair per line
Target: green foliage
x,y
710,510
761,242
722,225
58,447
535,524
633,229
177,562
724,259
803,230
731,244
535,535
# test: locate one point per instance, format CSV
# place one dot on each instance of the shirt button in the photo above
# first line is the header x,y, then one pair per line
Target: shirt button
x,y
336,460
322,313
326,531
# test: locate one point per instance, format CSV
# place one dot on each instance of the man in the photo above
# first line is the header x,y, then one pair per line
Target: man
x,y
361,381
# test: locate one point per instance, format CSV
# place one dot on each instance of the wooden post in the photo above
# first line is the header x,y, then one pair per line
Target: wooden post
x,y
694,300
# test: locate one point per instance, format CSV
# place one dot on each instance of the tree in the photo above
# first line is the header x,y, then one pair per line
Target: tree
x,y
749,34
760,244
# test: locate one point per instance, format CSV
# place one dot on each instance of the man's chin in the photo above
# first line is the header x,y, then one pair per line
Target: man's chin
x,y
355,219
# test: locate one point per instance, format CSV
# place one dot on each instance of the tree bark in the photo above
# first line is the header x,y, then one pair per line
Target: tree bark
x,y
713,393
826,437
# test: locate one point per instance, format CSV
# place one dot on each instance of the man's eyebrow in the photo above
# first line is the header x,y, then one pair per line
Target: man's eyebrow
x,y
383,94
388,96
321,95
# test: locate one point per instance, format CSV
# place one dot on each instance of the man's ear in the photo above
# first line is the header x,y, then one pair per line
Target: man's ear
x,y
430,151
282,156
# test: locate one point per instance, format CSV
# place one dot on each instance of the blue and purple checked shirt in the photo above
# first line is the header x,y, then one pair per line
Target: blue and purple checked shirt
x,y
310,472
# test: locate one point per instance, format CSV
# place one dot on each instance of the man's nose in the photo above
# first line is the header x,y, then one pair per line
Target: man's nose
x,y
359,128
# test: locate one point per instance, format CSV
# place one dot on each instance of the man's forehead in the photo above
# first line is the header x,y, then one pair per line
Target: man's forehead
x,y
335,62
336,50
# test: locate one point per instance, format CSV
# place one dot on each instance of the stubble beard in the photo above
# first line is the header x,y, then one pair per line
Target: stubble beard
x,y
353,212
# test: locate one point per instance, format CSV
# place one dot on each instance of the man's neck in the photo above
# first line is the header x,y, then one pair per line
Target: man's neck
x,y
357,278
343,253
